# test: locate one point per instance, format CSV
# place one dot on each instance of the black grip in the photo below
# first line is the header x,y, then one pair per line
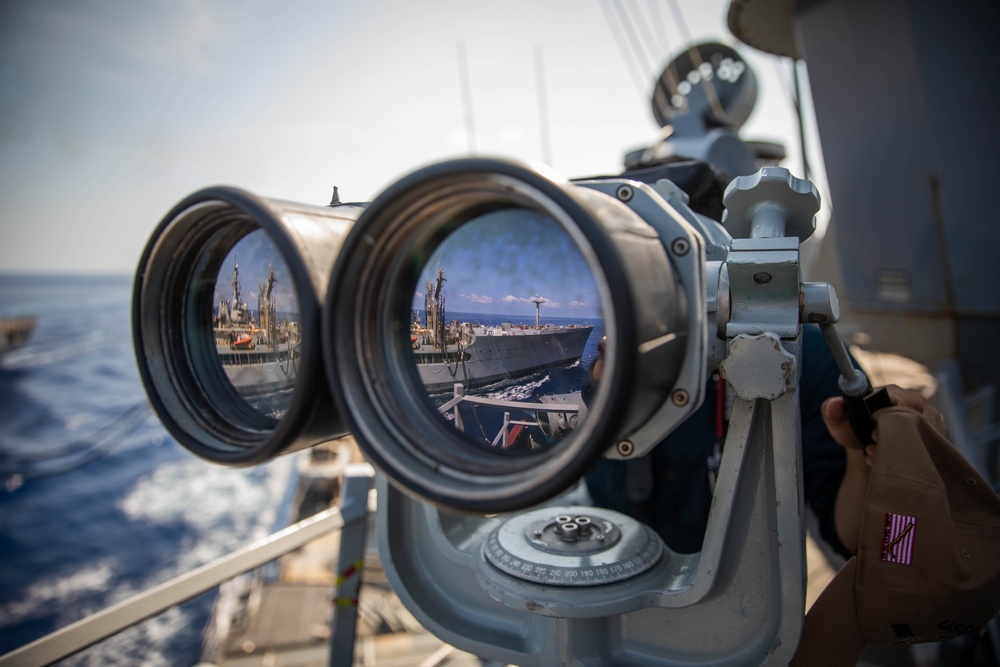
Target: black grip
x,y
860,410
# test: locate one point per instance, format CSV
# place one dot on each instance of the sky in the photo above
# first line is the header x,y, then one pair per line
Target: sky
x,y
112,111
503,262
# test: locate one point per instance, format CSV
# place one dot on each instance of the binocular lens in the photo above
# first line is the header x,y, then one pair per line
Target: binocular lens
x,y
506,319
462,327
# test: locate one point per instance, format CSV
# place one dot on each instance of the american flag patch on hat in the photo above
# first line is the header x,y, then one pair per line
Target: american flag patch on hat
x,y
897,540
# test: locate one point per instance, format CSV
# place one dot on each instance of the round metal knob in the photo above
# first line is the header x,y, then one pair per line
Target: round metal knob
x,y
769,204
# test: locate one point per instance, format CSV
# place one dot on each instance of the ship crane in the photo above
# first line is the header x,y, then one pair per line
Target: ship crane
x,y
434,316
267,308
538,301
237,297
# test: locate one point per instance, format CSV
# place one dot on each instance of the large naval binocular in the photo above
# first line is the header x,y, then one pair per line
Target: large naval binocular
x,y
485,329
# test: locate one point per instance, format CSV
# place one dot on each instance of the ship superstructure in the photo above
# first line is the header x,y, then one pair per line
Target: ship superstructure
x,y
258,357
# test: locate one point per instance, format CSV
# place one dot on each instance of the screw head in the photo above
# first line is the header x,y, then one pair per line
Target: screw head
x,y
762,278
680,398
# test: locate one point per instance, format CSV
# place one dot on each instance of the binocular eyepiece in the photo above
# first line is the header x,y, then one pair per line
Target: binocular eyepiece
x,y
485,330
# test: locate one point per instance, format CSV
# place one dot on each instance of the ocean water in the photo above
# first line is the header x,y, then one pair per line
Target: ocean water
x,y
97,502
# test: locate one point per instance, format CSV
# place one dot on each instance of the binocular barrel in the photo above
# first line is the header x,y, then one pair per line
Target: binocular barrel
x,y
226,323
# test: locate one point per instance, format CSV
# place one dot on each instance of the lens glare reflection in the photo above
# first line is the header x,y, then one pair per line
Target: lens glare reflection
x,y
505,324
255,320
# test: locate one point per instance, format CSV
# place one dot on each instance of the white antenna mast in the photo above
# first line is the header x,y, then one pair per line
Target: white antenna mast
x,y
538,301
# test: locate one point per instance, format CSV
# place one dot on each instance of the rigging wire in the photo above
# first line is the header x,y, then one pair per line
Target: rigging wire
x,y
709,86
647,42
466,90
681,22
654,9
632,38
671,70
634,68
795,96
74,455
75,447
642,51
641,37
785,84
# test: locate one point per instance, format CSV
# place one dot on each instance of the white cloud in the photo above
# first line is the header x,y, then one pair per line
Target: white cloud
x,y
478,298
548,303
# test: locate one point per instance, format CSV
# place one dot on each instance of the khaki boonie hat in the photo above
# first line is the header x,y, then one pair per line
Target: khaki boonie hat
x,y
928,560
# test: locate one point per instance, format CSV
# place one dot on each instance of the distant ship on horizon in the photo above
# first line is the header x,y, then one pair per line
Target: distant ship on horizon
x,y
14,333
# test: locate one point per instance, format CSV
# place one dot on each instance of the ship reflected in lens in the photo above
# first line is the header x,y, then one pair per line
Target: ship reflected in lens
x,y
505,323
255,322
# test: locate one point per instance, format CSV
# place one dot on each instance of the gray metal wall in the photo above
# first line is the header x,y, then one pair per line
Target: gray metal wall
x,y
904,95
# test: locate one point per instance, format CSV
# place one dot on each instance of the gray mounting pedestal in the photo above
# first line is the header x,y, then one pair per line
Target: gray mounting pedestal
x,y
737,602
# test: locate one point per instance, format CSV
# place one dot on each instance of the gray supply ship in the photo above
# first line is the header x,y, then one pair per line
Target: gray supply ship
x,y
476,355
257,357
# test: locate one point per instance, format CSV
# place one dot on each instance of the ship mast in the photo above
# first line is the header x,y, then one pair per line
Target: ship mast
x,y
538,301
267,307
272,308
236,291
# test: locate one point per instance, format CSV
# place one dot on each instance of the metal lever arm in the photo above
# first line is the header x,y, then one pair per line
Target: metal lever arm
x,y
859,401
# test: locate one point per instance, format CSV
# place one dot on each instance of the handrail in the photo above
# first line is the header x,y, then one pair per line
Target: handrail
x,y
523,405
459,396
112,620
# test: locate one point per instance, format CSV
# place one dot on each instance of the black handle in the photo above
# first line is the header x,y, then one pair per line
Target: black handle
x,y
860,410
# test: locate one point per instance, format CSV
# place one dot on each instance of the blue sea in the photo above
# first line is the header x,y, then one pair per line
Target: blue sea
x,y
97,502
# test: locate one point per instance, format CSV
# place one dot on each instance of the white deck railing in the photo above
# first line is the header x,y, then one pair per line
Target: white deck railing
x,y
350,516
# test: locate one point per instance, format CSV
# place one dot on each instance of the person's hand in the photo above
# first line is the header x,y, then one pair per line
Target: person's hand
x,y
835,417
849,505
